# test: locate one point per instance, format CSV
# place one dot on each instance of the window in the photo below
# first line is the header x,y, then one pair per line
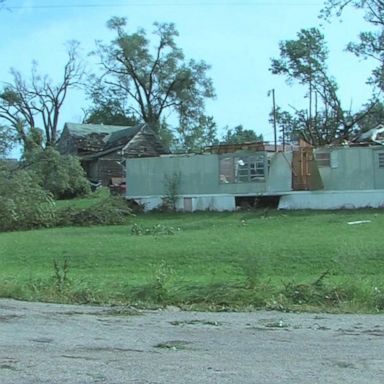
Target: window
x,y
242,169
381,159
226,170
323,159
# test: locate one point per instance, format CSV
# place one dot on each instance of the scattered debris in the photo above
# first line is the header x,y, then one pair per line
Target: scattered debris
x,y
173,345
359,222
374,135
196,322
274,323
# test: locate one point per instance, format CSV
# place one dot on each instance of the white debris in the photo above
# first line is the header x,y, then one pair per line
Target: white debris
x,y
359,222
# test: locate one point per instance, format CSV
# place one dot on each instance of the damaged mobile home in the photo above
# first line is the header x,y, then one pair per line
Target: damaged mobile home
x,y
229,176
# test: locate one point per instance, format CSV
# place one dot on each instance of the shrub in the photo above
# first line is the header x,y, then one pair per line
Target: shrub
x,y
110,211
172,185
155,230
23,204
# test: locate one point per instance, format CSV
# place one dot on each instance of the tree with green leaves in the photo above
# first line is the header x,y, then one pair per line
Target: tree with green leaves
x,y
374,9
372,118
6,140
61,175
197,134
371,44
26,104
303,60
151,83
23,204
110,112
239,134
290,126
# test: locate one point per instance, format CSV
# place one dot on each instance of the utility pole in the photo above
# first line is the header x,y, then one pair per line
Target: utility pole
x,y
274,118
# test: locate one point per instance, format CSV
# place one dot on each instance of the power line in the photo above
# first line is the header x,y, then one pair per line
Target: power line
x,y
163,4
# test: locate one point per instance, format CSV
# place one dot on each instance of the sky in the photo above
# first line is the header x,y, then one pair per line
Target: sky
x,y
236,38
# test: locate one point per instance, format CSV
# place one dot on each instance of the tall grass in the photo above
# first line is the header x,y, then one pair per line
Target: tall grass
x,y
206,260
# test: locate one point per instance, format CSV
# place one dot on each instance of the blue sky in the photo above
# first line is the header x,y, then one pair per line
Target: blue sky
x,y
237,38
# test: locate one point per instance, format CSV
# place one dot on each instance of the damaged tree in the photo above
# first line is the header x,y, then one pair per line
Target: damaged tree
x,y
371,44
324,121
147,83
23,103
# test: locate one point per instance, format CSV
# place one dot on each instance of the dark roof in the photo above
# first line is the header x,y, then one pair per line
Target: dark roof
x,y
90,141
81,130
101,137
121,137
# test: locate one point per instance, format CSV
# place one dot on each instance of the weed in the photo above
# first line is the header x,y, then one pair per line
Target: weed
x,y
216,264
162,276
158,289
172,190
251,270
60,278
155,230
83,295
313,293
378,299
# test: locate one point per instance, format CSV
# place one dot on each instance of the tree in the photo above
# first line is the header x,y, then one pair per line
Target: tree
x,y
149,82
304,60
23,204
197,134
372,118
109,113
289,126
374,9
22,103
6,140
239,135
371,43
60,175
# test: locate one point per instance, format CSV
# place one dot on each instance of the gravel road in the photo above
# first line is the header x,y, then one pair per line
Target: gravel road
x,y
49,343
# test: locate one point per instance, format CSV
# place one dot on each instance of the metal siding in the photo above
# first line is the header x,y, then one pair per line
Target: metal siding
x,y
378,156
354,170
350,169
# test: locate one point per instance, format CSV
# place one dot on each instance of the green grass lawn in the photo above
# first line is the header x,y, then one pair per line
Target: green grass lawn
x,y
205,260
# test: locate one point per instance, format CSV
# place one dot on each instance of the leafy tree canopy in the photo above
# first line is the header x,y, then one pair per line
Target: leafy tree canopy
x,y
151,82
371,44
372,118
238,135
23,204
304,60
6,140
109,113
197,135
61,175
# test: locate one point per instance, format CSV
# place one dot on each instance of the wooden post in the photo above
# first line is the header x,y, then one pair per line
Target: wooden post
x,y
274,119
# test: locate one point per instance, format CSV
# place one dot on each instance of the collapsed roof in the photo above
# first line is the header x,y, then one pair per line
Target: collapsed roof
x,y
374,135
94,140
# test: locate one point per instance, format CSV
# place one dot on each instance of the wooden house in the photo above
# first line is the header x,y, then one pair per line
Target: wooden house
x,y
103,149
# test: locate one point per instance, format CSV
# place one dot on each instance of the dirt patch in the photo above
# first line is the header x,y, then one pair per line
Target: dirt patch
x,y
48,343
